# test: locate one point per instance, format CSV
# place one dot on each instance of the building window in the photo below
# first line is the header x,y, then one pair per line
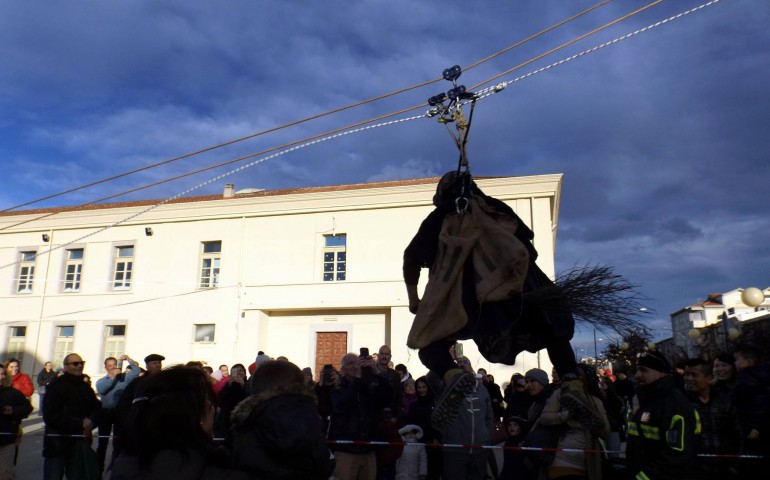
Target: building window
x,y
124,266
64,344
211,253
335,258
115,341
204,333
73,270
16,337
26,272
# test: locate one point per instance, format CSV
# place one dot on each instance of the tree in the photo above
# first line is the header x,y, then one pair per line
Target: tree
x,y
625,358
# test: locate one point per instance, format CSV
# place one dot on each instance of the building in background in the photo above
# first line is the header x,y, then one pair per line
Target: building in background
x,y
700,329
308,273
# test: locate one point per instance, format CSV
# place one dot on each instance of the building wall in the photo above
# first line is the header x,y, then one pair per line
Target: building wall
x,y
271,295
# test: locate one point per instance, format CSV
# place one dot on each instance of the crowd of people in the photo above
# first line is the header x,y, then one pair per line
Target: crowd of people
x,y
366,419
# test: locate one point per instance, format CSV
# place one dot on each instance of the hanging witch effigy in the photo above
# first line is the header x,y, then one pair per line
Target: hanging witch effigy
x,y
484,284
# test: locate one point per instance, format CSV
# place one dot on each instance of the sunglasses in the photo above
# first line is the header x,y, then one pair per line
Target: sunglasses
x,y
76,364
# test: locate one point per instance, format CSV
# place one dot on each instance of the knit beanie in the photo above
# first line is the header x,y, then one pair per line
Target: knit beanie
x,y
654,360
537,375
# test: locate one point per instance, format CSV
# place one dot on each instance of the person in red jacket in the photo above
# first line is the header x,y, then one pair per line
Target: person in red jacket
x,y
16,379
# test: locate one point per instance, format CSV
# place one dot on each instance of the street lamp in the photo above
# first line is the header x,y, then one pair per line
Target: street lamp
x,y
753,297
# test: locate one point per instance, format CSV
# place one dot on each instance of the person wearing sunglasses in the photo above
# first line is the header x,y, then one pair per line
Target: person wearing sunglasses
x,y
71,408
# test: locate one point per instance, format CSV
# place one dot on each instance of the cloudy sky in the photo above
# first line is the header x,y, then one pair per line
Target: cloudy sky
x,y
663,138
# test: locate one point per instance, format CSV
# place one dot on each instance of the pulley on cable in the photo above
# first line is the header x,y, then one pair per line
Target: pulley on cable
x,y
448,107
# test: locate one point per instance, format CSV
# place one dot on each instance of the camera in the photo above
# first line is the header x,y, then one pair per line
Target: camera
x,y
363,352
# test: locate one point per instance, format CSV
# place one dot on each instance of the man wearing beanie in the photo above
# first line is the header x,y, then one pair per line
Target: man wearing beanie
x,y
662,439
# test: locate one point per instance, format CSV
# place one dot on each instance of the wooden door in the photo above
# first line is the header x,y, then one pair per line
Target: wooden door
x,y
330,347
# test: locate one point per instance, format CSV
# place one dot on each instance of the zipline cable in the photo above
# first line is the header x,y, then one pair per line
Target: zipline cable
x,y
483,94
307,119
576,39
370,120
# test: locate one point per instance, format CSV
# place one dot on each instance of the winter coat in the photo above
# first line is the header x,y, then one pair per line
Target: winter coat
x,y
277,434
576,437
514,466
179,465
420,413
720,433
357,406
231,395
751,396
412,463
45,377
496,395
474,422
662,435
9,424
23,383
516,403
68,400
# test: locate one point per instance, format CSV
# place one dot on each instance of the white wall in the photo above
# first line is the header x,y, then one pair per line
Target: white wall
x,y
271,295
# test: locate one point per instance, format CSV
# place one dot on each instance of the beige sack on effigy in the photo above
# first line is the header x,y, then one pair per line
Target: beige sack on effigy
x,y
500,265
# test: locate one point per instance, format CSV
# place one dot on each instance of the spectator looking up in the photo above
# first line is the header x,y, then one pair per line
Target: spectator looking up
x,y
14,408
16,379
71,408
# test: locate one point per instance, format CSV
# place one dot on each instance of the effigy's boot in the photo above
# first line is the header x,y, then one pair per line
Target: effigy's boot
x,y
458,383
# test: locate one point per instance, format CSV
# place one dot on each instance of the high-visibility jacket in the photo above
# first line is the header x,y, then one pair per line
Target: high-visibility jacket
x,y
662,436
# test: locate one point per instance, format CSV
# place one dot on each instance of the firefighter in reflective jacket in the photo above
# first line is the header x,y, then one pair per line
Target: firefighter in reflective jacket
x,y
662,434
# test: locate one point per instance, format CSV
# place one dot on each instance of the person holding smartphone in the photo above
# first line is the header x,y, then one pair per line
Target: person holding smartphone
x,y
357,402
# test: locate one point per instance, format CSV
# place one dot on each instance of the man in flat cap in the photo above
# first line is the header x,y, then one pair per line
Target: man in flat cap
x,y
662,442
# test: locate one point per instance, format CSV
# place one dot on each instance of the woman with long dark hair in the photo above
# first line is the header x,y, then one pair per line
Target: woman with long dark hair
x,y
16,379
724,372
168,433
517,399
419,414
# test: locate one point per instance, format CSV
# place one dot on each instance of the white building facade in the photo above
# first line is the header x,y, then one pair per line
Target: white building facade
x,y
306,273
712,310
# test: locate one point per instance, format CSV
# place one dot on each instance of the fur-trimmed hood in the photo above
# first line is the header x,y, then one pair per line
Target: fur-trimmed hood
x,y
244,409
277,434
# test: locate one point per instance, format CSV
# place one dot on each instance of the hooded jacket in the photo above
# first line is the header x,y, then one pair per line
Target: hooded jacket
x,y
474,422
277,434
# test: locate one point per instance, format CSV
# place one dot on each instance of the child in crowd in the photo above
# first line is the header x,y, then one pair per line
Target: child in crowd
x,y
413,464
514,467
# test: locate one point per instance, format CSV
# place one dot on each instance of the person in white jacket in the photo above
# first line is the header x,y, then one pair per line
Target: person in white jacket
x,y
413,464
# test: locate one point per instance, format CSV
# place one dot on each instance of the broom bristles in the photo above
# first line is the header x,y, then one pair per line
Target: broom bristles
x,y
595,295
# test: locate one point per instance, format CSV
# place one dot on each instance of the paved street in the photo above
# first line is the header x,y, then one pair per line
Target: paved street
x,y
30,460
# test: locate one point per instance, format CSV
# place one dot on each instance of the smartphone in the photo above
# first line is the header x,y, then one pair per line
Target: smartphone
x,y
458,350
364,352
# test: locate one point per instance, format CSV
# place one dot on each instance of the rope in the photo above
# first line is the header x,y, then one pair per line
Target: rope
x,y
217,178
428,445
500,86
366,121
484,93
